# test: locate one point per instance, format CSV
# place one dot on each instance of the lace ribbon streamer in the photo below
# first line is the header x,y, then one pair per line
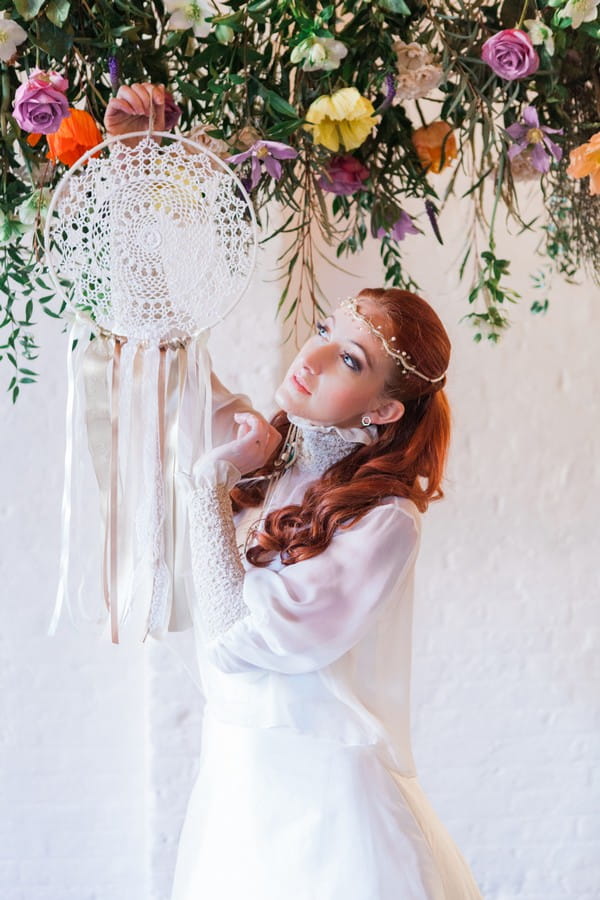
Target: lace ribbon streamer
x,y
136,407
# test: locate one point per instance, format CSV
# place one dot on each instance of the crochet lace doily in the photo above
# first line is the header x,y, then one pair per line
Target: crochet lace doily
x,y
155,241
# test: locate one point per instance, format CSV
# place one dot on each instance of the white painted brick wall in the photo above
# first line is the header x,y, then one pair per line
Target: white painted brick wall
x,y
100,745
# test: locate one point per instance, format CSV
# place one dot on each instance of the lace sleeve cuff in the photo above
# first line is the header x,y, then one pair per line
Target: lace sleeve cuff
x,y
217,569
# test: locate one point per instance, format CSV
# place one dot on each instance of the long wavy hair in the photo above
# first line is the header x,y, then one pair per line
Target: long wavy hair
x,y
407,459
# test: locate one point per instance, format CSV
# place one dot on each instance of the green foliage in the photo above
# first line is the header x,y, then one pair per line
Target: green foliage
x,y
238,79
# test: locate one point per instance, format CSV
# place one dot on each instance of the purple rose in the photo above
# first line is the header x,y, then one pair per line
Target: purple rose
x,y
510,54
40,104
344,175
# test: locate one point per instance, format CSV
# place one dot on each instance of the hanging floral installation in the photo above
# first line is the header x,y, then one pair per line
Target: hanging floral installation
x,y
355,118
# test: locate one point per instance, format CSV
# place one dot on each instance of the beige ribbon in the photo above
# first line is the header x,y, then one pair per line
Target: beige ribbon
x,y
102,421
147,412
113,507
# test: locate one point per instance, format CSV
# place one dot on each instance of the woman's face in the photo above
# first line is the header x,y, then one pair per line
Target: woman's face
x,y
339,374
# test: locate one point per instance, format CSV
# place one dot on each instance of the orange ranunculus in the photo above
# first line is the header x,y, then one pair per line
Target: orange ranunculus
x,y
585,160
435,145
76,134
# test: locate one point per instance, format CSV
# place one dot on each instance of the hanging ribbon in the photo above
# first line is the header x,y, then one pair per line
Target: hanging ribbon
x,y
139,416
76,345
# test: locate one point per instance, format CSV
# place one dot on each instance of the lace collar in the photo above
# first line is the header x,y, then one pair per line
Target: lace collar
x,y
320,446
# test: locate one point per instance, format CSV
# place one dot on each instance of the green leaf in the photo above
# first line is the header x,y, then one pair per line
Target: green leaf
x,y
28,9
279,105
259,6
591,28
56,42
58,12
395,6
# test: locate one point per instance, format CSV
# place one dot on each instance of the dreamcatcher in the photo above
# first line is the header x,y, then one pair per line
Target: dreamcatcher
x,y
150,245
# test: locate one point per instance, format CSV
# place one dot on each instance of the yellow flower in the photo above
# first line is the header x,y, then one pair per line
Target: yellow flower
x,y
344,117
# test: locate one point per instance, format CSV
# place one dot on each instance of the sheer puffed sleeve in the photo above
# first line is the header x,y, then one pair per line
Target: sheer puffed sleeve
x,y
303,616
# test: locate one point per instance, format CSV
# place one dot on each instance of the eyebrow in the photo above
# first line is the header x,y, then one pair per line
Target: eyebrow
x,y
356,344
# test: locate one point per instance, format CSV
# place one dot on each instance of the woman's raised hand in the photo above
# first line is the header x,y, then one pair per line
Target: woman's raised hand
x,y
255,442
130,110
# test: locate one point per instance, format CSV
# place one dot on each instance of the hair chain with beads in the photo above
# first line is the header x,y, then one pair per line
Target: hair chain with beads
x,y
401,357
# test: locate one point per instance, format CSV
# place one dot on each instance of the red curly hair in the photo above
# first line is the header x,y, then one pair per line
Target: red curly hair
x,y
407,459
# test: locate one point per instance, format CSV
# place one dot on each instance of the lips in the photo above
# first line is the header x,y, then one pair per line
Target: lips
x,y
300,384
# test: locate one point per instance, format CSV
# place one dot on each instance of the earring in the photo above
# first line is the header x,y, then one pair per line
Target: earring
x,y
366,420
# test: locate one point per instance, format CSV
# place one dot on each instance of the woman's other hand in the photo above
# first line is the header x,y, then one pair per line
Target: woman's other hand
x,y
255,443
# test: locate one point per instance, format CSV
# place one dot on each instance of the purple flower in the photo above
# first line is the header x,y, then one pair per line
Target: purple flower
x,y
267,153
113,71
432,215
390,92
529,134
510,54
343,175
40,104
402,226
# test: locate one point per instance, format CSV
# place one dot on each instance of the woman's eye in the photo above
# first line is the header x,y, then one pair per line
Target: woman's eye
x,y
354,364
349,361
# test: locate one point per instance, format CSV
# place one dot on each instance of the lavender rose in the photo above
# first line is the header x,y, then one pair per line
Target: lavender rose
x,y
40,104
510,54
344,175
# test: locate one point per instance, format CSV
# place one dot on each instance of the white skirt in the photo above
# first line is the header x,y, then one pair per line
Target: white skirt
x,y
276,814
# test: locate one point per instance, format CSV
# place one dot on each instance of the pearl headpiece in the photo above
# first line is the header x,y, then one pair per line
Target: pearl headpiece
x,y
401,357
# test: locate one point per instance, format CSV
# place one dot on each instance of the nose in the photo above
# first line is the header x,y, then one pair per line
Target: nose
x,y
315,358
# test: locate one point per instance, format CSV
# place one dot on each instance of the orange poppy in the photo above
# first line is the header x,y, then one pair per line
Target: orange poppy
x,y
76,134
585,160
435,145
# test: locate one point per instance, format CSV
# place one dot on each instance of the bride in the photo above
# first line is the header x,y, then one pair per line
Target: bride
x,y
304,535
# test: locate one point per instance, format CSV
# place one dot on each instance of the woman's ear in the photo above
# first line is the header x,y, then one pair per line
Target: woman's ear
x,y
388,411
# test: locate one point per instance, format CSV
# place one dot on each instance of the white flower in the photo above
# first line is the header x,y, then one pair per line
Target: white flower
x,y
319,53
417,72
36,204
579,11
540,34
193,15
11,34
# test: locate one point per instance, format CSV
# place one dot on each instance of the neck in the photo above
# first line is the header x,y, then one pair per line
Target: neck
x,y
320,446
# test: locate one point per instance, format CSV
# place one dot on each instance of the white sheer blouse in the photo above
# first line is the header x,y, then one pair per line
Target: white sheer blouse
x,y
325,644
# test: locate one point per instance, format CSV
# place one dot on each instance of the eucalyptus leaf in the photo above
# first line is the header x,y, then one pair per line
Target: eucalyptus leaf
x,y
395,6
28,9
58,11
56,42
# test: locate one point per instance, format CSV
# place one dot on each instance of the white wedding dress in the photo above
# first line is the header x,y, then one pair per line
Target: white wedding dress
x,y
307,788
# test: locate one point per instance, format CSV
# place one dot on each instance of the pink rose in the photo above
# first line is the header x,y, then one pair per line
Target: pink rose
x,y
42,79
40,104
510,54
344,175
